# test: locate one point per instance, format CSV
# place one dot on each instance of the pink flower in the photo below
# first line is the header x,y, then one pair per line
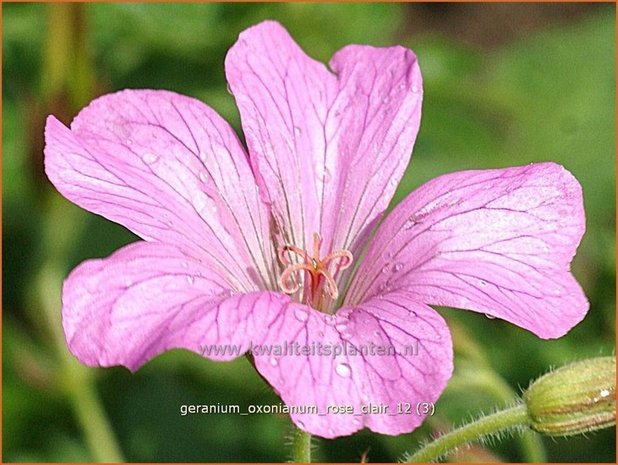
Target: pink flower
x,y
286,246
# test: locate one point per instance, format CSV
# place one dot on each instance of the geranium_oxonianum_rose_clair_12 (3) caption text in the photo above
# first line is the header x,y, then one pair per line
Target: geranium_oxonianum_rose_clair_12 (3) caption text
x,y
286,240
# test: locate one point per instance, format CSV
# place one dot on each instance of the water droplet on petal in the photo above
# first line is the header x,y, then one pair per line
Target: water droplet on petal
x,y
410,223
384,287
129,141
229,90
343,370
341,327
491,317
149,158
185,265
330,320
297,131
301,314
199,202
386,100
483,282
273,361
376,332
397,267
415,89
203,176
203,156
190,279
386,268
326,176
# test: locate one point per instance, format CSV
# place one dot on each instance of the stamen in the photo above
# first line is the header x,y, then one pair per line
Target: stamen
x,y
290,248
288,275
316,267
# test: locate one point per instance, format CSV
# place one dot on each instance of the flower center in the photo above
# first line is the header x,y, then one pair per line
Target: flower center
x,y
320,279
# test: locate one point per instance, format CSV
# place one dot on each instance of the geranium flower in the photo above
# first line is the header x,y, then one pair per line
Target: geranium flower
x,y
285,243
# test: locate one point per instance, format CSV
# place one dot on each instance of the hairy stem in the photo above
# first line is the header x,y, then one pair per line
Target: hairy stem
x,y
301,446
509,419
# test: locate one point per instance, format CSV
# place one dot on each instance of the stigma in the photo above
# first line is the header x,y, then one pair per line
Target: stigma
x,y
319,271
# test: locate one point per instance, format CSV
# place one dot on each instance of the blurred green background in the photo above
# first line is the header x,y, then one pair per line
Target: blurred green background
x,y
505,84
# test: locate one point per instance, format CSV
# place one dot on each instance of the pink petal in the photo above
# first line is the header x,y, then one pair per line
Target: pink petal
x,y
170,169
393,380
148,298
329,148
496,241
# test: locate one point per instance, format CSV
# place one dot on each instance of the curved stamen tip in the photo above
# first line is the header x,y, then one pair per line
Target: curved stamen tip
x,y
288,277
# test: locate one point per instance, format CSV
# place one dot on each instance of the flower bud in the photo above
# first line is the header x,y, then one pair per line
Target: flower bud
x,y
574,399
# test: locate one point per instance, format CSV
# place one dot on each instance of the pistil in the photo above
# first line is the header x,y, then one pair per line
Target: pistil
x,y
321,278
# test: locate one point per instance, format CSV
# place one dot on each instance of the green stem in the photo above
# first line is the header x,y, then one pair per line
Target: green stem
x,y
477,374
301,446
508,419
63,224
530,442
77,381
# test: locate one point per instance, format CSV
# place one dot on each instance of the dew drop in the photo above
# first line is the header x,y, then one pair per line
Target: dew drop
x,y
190,279
301,314
199,202
185,265
386,269
397,267
297,131
376,333
341,327
483,282
203,176
330,320
343,370
203,156
273,361
410,223
129,141
326,176
384,287
321,333
229,90
386,100
415,89
149,158
490,317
